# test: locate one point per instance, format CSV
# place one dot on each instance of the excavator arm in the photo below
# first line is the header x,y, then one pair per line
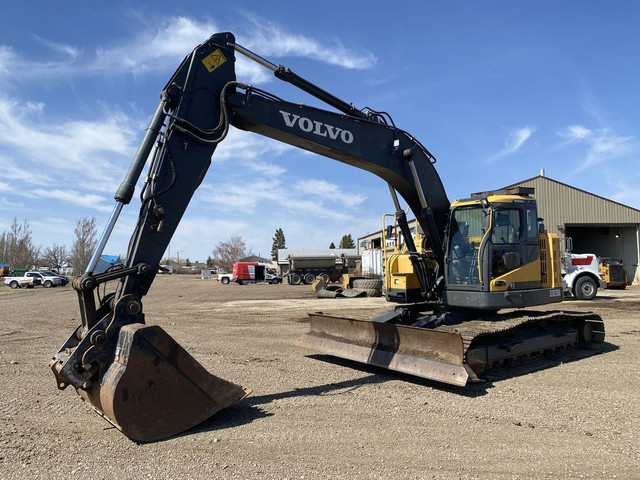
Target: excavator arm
x,y
134,374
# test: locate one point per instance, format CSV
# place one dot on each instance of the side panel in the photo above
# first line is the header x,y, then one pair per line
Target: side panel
x,y
498,300
550,260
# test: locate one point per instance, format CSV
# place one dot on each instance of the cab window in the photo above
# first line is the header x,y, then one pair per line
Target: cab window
x,y
532,224
506,227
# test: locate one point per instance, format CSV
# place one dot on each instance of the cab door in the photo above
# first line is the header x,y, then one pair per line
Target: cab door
x,y
513,247
506,240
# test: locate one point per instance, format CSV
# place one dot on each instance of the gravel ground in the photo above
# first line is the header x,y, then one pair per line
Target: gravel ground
x,y
313,417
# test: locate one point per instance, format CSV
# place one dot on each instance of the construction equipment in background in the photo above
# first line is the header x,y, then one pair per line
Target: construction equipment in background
x,y
303,269
401,282
613,273
478,256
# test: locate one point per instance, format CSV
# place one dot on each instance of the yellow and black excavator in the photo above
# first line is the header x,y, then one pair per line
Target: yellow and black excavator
x,y
477,256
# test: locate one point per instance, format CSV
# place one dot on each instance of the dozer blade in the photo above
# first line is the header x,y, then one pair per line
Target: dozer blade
x,y
154,389
417,351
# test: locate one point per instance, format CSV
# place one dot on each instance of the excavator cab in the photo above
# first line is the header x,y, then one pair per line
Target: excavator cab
x,y
495,256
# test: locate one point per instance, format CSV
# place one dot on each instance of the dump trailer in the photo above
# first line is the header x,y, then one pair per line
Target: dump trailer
x,y
478,256
303,269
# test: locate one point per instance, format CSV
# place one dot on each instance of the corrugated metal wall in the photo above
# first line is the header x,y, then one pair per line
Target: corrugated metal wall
x,y
597,225
561,204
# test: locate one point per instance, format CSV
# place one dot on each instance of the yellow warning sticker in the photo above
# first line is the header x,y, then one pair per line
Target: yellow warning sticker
x,y
214,60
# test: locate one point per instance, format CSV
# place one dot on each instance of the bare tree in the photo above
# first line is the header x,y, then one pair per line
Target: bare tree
x,y
55,255
84,244
4,250
225,254
16,246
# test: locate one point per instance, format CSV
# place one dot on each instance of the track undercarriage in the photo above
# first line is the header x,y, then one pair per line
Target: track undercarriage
x,y
452,348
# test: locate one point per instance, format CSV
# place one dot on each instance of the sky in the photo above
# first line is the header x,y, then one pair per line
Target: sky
x,y
496,90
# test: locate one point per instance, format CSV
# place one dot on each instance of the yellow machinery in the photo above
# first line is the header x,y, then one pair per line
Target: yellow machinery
x,y
612,271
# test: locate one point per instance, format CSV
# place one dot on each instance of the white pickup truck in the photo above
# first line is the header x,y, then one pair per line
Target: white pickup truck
x,y
31,279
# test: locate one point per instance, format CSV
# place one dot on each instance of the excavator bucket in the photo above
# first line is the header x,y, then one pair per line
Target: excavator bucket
x,y
154,389
416,351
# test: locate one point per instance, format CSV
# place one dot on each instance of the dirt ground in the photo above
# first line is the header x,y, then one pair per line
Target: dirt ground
x,y
310,417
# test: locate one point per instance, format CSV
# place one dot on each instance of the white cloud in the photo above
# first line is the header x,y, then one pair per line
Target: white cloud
x,y
625,191
601,145
69,51
15,173
514,141
246,145
160,49
63,147
607,146
154,50
7,57
328,192
72,197
9,205
575,133
268,38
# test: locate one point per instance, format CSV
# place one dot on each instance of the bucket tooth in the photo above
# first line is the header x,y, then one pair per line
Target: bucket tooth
x,y
154,389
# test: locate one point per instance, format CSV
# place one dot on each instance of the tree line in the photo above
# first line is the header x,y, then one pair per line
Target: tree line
x,y
228,252
18,250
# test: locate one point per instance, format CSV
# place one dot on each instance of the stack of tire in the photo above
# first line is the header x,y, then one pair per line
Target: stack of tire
x,y
372,286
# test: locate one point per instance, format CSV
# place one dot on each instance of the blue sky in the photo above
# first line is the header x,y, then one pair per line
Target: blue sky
x,y
495,90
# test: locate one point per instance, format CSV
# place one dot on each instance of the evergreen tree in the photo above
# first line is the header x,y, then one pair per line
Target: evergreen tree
x,y
332,246
347,242
278,243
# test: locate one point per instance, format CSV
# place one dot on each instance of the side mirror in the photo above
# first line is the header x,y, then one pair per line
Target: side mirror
x,y
388,233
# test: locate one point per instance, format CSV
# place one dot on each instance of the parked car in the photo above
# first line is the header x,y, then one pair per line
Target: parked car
x,y
64,279
33,278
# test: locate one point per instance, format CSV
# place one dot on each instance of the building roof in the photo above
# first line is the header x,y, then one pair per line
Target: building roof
x,y
576,189
577,206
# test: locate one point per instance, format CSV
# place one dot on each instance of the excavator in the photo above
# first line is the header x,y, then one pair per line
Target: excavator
x,y
477,256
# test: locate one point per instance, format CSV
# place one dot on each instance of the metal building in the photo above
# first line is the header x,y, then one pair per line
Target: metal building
x,y
596,224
